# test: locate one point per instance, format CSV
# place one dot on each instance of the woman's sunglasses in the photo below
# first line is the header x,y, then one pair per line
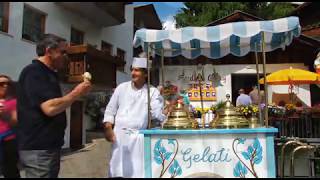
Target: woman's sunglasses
x,y
2,84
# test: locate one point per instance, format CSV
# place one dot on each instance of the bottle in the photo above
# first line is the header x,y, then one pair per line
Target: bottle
x,y
209,118
199,119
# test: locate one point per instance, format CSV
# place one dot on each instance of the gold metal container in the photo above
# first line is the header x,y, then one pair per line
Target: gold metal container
x,y
195,124
229,118
179,119
254,122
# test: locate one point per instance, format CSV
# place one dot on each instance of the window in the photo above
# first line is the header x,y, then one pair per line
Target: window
x,y
121,56
106,47
76,68
4,16
33,24
76,65
77,37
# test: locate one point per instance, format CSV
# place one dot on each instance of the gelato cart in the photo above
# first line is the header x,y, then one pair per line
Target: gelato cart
x,y
232,145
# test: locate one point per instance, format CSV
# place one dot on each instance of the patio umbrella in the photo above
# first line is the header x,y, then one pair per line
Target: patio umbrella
x,y
317,63
292,77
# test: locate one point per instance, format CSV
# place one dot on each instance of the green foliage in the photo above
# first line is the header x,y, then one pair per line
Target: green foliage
x,y
218,106
94,103
277,10
202,13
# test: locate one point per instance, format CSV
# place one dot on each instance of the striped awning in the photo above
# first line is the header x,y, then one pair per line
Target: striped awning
x,y
214,42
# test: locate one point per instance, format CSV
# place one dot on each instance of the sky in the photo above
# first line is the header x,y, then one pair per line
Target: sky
x,y
165,11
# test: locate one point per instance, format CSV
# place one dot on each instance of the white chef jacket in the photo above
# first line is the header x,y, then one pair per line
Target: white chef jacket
x,y
128,111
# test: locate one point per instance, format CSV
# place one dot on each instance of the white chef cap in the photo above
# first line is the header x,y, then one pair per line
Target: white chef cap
x,y
140,63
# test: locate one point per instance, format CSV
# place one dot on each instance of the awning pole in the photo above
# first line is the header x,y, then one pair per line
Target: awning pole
x,y
258,85
265,81
200,78
162,66
162,73
148,86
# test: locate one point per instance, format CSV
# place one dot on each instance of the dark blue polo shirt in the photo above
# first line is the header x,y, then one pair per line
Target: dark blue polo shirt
x,y
36,131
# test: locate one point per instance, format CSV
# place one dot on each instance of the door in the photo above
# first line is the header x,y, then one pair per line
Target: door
x,y
244,81
76,126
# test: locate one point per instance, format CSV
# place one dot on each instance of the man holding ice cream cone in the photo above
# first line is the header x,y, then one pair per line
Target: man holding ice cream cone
x,y
42,109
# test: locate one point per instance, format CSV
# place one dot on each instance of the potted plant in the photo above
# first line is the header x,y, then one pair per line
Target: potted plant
x,y
290,109
218,106
250,112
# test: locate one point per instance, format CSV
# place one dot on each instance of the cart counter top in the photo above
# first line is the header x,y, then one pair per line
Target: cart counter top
x,y
158,131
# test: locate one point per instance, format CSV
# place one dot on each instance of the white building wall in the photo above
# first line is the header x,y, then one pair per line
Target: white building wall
x,y
225,71
16,53
123,38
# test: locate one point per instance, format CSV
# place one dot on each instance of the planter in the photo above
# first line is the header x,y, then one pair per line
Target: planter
x,y
253,121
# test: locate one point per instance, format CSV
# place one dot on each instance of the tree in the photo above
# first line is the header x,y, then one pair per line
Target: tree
x,y
202,13
277,10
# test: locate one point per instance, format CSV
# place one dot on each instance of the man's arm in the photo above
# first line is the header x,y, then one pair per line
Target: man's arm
x,y
108,132
109,116
238,102
250,100
157,110
41,93
55,106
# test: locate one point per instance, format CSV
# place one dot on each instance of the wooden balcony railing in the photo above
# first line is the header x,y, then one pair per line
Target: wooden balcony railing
x,y
82,58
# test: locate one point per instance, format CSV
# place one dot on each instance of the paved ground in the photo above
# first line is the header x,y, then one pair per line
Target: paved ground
x,y
89,162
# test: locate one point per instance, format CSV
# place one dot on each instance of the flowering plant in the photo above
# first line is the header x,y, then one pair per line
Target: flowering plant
x,y
290,108
170,91
276,111
248,110
205,110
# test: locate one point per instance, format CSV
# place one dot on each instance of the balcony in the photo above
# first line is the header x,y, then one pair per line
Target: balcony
x,y
84,58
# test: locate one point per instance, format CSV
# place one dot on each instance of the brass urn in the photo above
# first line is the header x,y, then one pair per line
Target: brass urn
x,y
229,118
179,118
254,121
195,124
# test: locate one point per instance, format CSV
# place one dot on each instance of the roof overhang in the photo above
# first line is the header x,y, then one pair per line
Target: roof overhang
x,y
308,13
101,13
148,15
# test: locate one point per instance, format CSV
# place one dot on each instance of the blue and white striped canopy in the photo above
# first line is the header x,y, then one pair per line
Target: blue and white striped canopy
x,y
214,42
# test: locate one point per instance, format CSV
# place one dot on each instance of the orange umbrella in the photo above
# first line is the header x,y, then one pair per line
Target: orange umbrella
x,y
317,63
292,77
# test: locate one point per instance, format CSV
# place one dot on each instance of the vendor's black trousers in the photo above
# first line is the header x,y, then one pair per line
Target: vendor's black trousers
x,y
10,159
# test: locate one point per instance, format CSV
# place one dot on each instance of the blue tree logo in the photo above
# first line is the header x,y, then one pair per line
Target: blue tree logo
x,y
161,156
253,154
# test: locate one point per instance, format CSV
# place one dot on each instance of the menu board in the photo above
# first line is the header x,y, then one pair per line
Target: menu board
x,y
208,92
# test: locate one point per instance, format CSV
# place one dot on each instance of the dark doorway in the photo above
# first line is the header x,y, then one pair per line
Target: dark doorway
x,y
76,125
244,81
315,94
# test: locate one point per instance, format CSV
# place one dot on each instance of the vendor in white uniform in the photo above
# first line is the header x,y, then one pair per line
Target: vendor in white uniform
x,y
128,112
